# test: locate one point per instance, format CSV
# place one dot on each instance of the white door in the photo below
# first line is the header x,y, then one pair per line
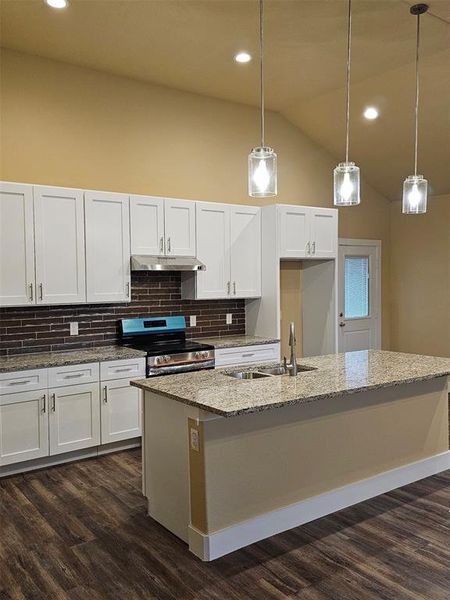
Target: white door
x,y
180,227
23,427
294,231
17,281
107,247
324,232
74,417
59,239
213,249
359,295
245,251
120,411
147,225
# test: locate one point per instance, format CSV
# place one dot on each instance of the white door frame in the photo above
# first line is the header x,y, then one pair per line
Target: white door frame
x,y
376,244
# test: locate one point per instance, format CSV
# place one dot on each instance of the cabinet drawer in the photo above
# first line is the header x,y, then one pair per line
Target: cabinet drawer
x,y
73,374
23,381
121,369
247,354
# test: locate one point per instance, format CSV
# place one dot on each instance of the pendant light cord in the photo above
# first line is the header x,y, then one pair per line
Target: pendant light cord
x,y
417,94
261,66
349,52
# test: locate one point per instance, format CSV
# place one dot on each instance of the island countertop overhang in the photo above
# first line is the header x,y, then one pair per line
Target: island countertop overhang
x,y
334,375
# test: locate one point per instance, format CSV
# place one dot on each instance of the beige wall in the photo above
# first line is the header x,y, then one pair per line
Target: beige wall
x,y
421,279
66,125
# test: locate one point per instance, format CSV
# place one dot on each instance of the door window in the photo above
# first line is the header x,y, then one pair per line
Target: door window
x,y
356,287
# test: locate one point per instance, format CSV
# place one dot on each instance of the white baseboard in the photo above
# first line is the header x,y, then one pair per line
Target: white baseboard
x,y
211,546
58,459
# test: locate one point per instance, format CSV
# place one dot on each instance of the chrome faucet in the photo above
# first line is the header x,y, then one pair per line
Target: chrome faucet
x,y
293,345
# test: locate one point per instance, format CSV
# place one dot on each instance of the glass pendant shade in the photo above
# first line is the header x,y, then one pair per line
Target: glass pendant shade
x,y
346,184
262,172
415,195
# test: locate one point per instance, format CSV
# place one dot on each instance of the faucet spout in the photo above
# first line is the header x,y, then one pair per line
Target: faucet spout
x,y
293,346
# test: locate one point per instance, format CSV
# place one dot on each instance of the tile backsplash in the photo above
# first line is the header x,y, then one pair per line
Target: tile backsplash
x,y
44,328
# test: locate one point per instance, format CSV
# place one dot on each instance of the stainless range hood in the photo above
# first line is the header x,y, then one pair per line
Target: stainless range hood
x,y
141,262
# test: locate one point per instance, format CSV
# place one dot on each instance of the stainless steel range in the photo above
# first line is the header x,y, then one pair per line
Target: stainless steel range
x,y
164,341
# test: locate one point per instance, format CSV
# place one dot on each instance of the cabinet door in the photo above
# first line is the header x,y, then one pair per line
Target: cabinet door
x,y
245,251
324,232
294,231
16,245
107,247
147,225
59,232
120,411
213,249
23,427
74,417
180,227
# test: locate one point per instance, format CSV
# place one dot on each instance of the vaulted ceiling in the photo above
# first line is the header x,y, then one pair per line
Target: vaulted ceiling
x,y
190,44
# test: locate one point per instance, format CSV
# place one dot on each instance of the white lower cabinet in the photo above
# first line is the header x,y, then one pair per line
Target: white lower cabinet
x,y
121,411
74,417
23,427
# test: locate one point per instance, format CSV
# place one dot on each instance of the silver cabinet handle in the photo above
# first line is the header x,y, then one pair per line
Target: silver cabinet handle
x,y
21,382
247,354
308,248
169,246
161,245
44,403
234,288
105,394
73,376
53,402
31,292
313,247
124,370
41,291
127,289
228,287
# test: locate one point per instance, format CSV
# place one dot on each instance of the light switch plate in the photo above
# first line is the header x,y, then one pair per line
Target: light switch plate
x,y
229,319
73,328
193,320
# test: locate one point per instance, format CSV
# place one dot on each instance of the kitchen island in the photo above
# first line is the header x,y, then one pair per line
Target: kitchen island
x,y
228,462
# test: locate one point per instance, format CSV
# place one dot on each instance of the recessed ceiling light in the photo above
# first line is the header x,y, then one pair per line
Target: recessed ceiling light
x,y
371,113
57,3
243,57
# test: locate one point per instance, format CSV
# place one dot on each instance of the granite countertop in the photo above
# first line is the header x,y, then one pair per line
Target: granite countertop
x,y
334,375
43,360
235,341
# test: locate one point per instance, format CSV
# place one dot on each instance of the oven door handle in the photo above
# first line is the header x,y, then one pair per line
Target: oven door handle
x,y
184,368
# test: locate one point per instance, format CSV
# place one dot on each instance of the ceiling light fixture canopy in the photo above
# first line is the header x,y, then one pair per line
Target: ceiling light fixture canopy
x,y
415,187
346,174
262,160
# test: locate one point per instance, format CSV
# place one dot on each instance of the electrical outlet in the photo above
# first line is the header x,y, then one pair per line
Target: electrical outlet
x,y
195,439
73,328
193,320
229,319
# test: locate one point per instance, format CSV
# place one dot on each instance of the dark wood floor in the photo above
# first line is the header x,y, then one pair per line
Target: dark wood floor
x,y
80,531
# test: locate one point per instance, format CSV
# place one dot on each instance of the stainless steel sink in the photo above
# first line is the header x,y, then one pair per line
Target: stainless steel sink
x,y
247,375
280,370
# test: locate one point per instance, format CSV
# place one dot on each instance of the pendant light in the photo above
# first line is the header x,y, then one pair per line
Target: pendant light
x,y
346,174
415,186
262,160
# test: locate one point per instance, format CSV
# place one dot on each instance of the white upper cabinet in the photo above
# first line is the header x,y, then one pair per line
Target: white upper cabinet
x,y
245,251
59,245
107,247
213,249
17,280
294,231
229,244
162,226
324,232
147,225
180,227
307,232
